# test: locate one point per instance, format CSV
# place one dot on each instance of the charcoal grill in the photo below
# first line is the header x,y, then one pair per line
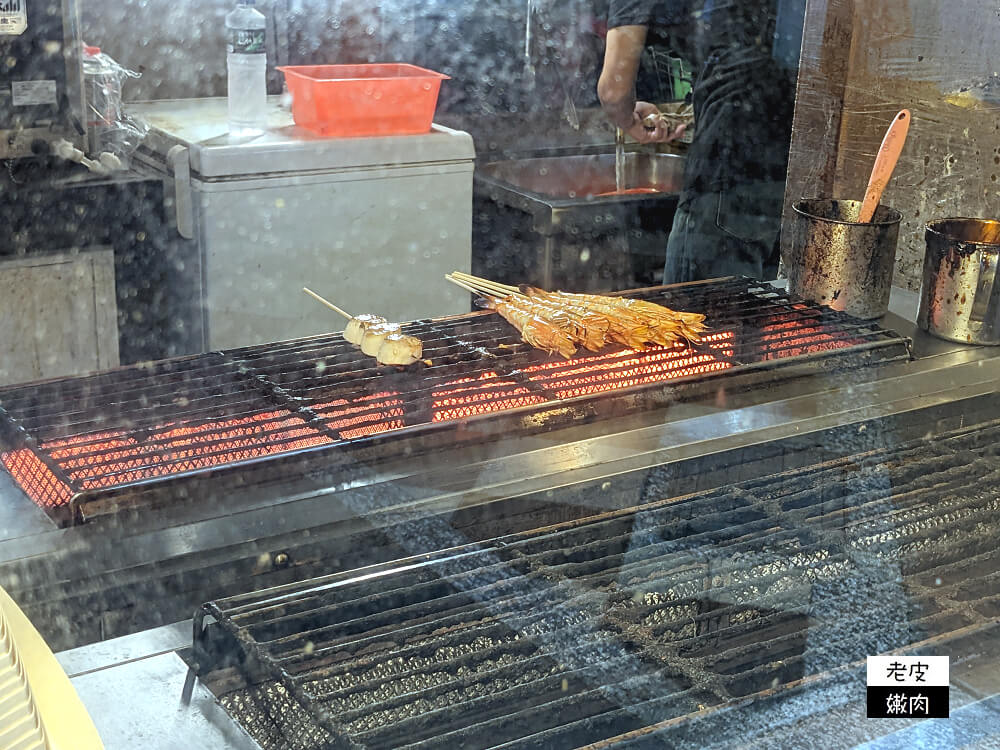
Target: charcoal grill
x,y
655,626
86,447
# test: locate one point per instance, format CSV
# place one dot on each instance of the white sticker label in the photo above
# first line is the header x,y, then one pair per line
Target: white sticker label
x,y
13,17
890,671
32,93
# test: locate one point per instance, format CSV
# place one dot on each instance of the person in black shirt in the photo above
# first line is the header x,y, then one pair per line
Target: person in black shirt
x,y
729,213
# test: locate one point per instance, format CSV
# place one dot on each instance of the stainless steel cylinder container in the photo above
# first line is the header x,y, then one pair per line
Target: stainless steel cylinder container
x,y
960,296
837,261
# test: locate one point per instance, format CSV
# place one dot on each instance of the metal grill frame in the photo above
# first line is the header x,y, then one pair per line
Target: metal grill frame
x,y
253,370
217,638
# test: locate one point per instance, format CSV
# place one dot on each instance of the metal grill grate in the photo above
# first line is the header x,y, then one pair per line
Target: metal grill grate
x,y
71,442
602,627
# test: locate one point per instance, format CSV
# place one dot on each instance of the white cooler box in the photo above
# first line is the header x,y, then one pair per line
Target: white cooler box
x,y
373,224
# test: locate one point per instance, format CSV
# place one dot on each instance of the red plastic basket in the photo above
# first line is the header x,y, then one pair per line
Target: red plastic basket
x,y
352,100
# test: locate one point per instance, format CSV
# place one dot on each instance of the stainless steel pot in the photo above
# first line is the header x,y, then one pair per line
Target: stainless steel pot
x,y
959,298
839,262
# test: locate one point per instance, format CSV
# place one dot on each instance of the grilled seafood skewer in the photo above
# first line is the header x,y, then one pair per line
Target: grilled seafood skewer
x,y
688,324
628,330
356,325
633,322
535,330
619,325
588,329
361,324
662,313
400,350
518,310
377,337
650,322
611,325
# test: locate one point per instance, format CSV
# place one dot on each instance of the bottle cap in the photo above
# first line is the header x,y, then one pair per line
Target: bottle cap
x,y
91,51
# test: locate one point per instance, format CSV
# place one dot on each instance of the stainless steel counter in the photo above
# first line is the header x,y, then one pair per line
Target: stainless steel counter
x,y
132,687
251,534
201,125
941,372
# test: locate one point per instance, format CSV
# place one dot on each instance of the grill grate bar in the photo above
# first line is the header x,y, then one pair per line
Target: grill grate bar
x,y
582,731
701,587
659,557
74,403
735,592
139,424
564,695
657,560
461,611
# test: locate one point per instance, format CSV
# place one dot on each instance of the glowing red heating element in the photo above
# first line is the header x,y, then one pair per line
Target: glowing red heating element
x,y
625,369
582,376
794,338
112,458
36,479
359,417
466,397
119,457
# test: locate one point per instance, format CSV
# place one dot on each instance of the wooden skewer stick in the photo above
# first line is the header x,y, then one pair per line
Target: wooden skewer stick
x,y
507,288
488,286
486,289
326,302
483,288
478,279
462,284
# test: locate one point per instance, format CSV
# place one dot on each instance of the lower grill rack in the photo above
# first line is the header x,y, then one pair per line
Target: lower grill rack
x,y
598,628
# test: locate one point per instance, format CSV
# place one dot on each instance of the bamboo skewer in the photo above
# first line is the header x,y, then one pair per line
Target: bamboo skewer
x,y
507,289
326,302
457,282
486,283
516,310
379,355
628,322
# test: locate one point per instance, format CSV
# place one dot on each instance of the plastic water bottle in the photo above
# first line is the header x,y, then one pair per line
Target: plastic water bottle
x,y
104,97
246,60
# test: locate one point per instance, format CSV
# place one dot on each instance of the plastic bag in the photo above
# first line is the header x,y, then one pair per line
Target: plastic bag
x,y
109,129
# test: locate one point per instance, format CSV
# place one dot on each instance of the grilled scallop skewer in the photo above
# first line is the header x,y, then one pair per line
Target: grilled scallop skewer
x,y
374,335
400,350
359,325
377,337
356,325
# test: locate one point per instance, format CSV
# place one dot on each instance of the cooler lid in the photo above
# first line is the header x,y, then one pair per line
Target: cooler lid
x,y
200,124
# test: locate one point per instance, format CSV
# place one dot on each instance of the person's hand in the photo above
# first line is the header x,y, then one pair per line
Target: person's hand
x,y
647,127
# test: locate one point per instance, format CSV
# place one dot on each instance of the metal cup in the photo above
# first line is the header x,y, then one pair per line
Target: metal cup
x,y
837,261
959,297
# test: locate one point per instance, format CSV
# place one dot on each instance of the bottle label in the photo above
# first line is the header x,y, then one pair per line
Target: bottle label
x,y
245,41
13,17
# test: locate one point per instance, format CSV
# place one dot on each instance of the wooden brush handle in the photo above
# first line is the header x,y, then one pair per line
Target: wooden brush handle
x,y
885,163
